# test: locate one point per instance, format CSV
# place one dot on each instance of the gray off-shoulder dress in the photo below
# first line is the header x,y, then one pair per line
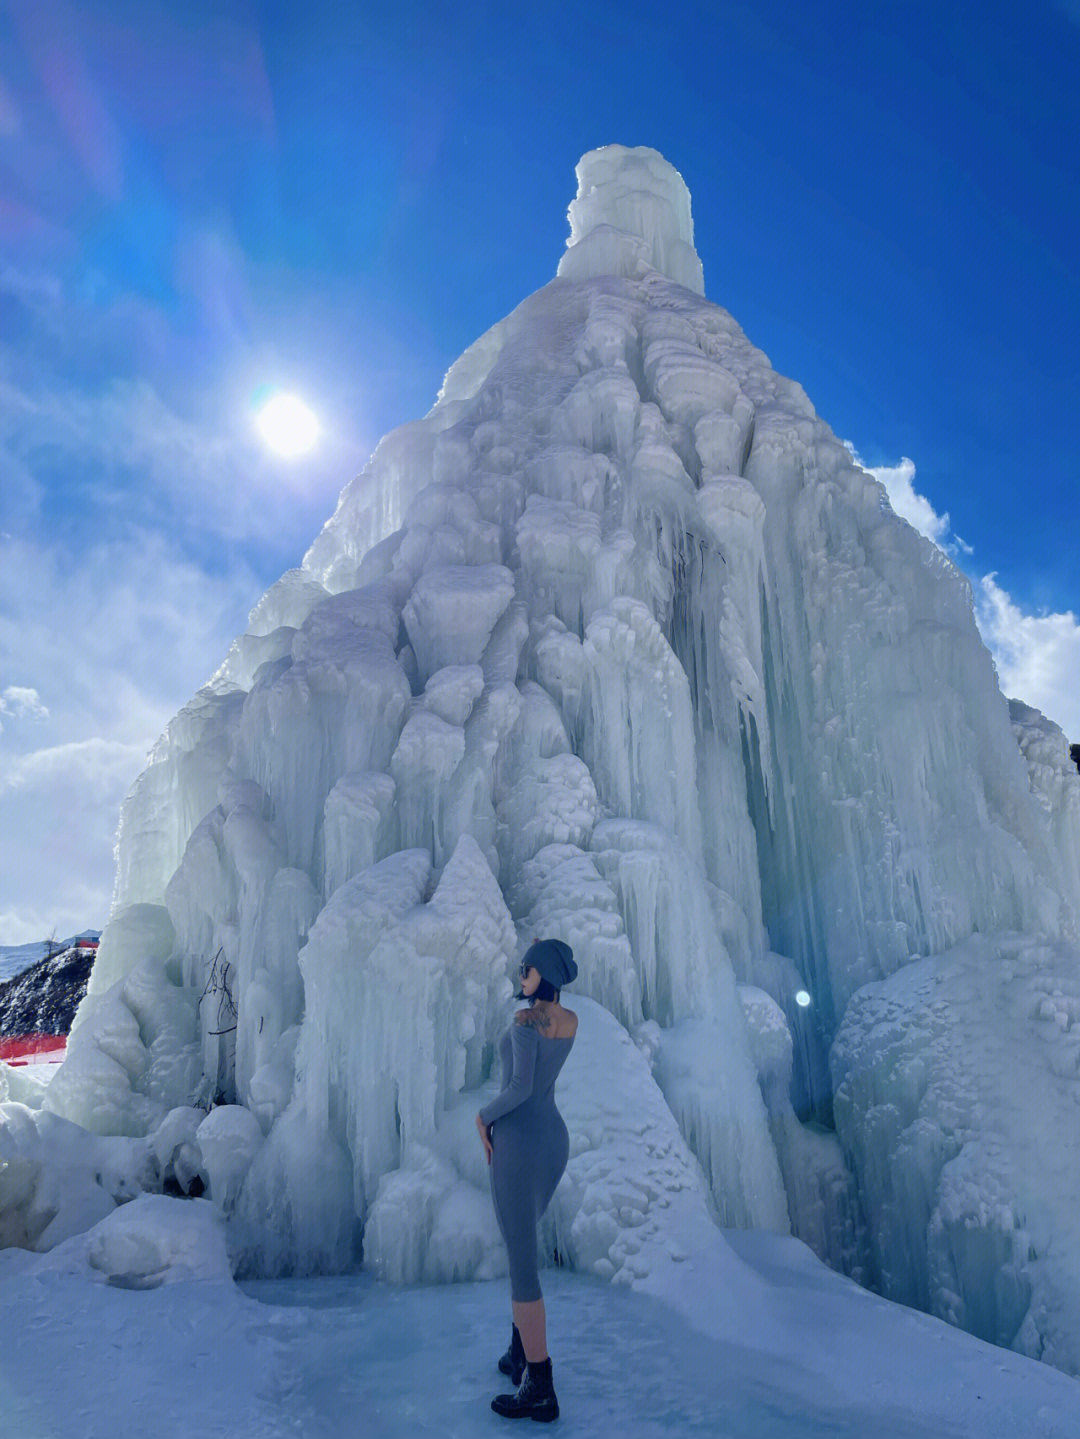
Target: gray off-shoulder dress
x,y
530,1146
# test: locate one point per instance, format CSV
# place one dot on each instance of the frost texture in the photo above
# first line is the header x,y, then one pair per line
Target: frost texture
x,y
957,1089
616,644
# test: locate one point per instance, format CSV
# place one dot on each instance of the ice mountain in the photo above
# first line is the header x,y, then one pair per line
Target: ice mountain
x,y
616,644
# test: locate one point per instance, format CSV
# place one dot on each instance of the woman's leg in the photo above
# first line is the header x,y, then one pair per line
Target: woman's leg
x,y
531,1321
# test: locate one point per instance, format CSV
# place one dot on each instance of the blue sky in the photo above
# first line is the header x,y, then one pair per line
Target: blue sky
x,y
197,200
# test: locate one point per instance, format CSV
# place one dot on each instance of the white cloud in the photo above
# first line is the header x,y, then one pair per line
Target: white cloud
x,y
198,473
23,924
59,809
83,768
909,504
21,701
116,641
1037,656
110,650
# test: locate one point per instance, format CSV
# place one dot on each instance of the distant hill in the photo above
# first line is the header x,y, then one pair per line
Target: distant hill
x,y
41,994
14,958
17,957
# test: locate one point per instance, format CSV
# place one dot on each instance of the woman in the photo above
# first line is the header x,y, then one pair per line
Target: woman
x,y
527,1147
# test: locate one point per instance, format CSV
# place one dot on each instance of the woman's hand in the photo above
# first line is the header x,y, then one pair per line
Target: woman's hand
x,y
485,1136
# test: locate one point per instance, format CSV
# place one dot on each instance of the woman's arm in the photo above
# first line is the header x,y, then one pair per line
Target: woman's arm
x,y
524,1039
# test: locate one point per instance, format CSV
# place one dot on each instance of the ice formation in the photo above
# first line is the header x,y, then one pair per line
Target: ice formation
x,y
146,1243
956,1097
615,644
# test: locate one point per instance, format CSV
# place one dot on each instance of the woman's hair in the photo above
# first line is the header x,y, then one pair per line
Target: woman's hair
x,y
544,990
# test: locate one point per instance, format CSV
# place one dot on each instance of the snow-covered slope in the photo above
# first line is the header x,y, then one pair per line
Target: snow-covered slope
x,y
14,958
43,996
616,644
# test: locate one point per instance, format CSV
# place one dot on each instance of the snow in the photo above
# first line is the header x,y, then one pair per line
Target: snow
x,y
58,1179
14,958
25,1083
133,933
149,1241
133,1046
175,1146
616,644
1055,783
325,1357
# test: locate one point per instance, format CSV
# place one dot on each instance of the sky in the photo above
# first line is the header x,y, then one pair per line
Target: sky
x,y
203,202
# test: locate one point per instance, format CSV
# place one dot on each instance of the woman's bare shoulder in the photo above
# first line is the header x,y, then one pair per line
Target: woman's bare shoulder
x,y
540,1022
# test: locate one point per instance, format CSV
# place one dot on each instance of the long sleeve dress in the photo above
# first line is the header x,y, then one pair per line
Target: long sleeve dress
x,y
530,1146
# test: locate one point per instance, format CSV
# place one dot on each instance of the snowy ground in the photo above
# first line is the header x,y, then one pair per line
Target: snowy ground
x,y
41,1067
335,1357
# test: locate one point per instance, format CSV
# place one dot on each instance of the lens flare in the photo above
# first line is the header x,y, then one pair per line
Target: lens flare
x,y
287,425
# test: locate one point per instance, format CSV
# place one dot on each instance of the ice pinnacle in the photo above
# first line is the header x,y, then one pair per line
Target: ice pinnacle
x,y
631,213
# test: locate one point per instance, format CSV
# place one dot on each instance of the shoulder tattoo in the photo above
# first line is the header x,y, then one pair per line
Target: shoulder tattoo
x,y
534,1019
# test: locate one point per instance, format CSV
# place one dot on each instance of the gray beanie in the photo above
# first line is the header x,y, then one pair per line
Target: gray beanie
x,y
554,960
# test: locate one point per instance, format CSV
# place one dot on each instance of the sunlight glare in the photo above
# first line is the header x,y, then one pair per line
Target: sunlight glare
x,y
287,425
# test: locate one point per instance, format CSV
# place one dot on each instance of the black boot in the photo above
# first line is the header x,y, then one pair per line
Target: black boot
x,y
535,1398
513,1361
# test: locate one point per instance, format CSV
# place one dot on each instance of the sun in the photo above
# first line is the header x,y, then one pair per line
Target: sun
x,y
287,425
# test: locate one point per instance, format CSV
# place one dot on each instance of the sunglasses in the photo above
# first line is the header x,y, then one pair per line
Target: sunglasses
x,y
525,967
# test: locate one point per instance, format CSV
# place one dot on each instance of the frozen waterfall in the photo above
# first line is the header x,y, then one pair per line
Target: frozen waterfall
x,y
615,644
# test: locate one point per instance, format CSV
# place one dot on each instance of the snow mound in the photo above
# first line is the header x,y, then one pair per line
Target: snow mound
x,y
150,1241
23,1084
56,1179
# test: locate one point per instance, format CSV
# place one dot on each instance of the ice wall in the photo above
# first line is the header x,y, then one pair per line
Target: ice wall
x,y
634,1198
1055,785
957,1087
617,644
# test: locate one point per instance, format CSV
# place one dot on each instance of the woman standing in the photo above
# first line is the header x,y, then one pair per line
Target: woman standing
x,y
527,1146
